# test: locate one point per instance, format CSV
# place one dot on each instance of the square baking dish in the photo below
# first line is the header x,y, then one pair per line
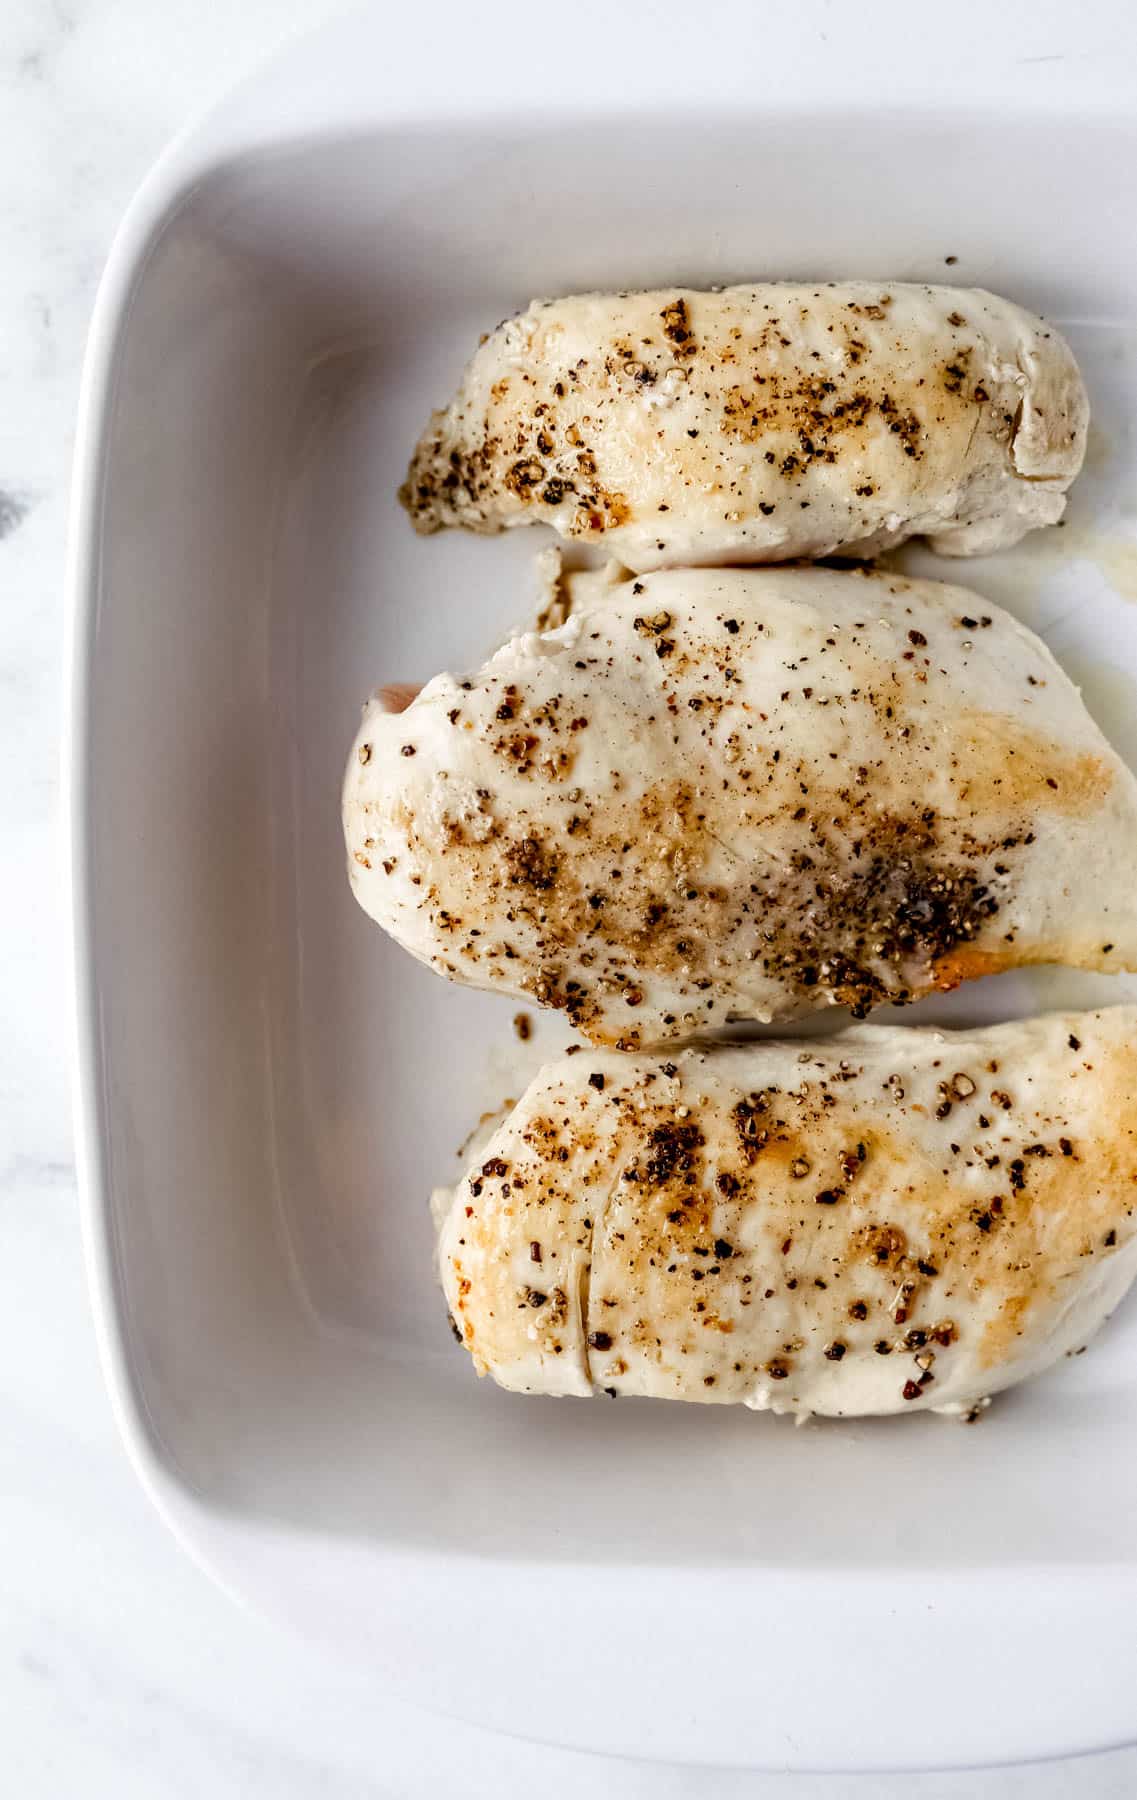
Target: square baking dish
x,y
268,1089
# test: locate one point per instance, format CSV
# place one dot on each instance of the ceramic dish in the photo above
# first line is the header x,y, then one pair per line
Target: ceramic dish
x,y
268,1089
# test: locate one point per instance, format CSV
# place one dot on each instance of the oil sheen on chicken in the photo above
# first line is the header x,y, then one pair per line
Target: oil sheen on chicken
x,y
889,1221
760,424
745,794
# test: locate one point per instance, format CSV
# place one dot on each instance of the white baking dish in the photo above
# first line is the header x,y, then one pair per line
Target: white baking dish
x,y
268,1089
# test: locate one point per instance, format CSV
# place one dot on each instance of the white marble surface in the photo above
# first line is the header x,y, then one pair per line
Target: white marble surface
x,y
122,1670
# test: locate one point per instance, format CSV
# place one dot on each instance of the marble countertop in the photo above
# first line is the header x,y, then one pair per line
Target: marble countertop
x,y
123,1671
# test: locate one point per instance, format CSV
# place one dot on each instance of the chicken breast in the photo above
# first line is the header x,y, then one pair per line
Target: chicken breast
x,y
892,1220
760,424
746,794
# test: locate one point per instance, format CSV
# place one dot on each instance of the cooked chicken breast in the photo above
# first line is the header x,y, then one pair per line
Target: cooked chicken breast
x,y
744,794
760,424
891,1220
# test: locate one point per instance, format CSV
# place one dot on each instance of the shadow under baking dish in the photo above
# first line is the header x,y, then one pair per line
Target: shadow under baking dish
x,y
280,1086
